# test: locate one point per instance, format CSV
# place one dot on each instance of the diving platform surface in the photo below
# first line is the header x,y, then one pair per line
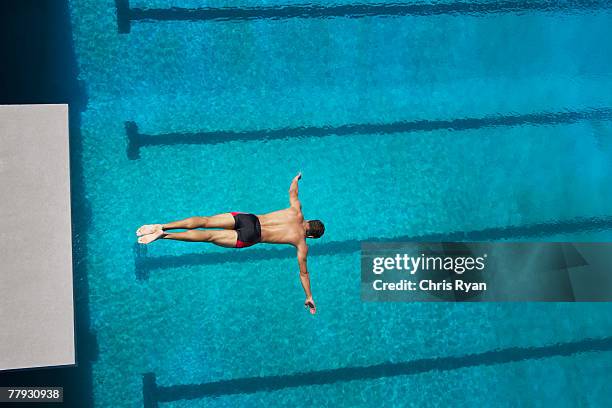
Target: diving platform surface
x,y
36,283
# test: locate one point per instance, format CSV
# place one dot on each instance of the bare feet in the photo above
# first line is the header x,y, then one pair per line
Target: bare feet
x,y
154,236
148,229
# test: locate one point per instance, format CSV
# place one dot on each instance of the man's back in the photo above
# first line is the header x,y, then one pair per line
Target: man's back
x,y
282,227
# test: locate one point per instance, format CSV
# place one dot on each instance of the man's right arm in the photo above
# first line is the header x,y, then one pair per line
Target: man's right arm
x,y
302,254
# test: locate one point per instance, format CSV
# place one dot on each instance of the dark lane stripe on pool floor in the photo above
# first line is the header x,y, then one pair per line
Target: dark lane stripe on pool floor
x,y
144,264
153,393
126,15
137,140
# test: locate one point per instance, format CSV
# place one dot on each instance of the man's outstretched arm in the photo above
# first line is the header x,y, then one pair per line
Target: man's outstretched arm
x,y
302,254
293,192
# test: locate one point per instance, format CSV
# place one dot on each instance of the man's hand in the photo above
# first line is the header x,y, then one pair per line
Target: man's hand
x,y
309,303
299,176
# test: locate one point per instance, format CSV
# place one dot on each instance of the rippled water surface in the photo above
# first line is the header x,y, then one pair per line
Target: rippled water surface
x,y
411,120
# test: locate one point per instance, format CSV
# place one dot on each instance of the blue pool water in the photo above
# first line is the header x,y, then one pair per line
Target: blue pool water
x,y
485,123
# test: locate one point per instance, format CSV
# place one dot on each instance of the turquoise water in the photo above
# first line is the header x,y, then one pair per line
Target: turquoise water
x,y
197,314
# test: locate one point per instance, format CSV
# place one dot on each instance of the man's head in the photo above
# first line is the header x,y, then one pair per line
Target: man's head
x,y
314,229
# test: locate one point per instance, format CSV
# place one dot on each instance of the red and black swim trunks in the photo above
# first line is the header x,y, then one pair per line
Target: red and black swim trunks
x,y
248,228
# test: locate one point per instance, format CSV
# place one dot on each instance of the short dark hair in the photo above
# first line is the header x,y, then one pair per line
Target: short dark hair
x,y
315,229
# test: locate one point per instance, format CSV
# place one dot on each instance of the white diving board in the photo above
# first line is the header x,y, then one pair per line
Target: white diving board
x,y
36,285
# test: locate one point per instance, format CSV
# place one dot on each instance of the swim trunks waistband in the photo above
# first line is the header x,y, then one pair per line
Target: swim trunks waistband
x,y
248,228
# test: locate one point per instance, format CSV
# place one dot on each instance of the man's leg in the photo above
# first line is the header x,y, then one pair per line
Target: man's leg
x,y
225,238
225,221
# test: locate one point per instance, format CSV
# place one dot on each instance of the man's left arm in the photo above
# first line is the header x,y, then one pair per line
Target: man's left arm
x,y
294,201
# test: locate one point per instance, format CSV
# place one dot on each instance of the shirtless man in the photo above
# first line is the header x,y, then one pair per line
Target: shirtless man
x,y
241,230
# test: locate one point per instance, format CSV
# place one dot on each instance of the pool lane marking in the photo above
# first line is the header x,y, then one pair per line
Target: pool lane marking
x,y
143,264
126,14
136,140
154,393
